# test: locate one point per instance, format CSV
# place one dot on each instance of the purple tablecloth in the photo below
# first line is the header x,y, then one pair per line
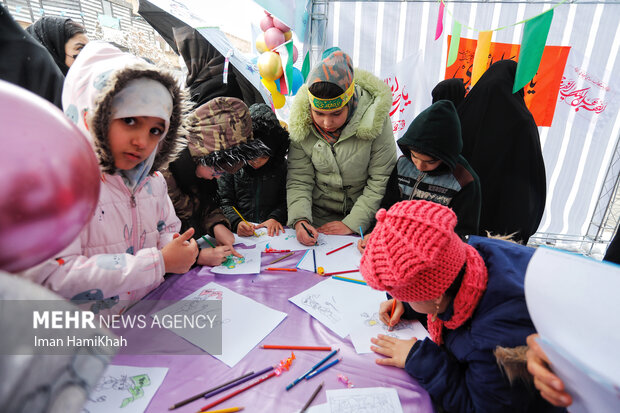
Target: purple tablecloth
x,y
190,375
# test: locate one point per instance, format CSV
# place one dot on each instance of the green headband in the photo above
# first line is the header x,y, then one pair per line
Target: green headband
x,y
332,104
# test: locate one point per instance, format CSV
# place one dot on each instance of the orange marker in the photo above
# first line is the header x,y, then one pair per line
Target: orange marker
x,y
392,314
282,269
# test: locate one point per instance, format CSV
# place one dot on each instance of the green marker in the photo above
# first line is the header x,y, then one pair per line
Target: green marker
x,y
208,242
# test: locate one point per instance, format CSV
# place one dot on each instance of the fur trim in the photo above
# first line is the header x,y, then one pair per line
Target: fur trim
x,y
99,119
513,362
369,127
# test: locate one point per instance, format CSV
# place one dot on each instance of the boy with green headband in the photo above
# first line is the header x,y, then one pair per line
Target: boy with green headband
x,y
342,149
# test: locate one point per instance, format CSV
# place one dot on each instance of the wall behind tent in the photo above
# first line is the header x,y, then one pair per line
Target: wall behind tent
x,y
578,148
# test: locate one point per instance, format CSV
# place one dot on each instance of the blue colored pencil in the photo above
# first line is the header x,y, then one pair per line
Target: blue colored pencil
x,y
316,366
302,258
361,233
322,369
351,280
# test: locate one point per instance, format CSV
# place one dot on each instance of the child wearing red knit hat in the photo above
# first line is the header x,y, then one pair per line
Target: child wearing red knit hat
x,y
471,293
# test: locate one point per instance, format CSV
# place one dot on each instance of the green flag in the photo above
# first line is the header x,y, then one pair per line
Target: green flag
x,y
305,68
532,46
453,51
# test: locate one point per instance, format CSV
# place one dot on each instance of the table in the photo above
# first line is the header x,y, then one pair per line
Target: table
x,y
189,375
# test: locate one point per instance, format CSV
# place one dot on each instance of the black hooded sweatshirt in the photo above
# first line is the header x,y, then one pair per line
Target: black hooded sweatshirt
x,y
436,132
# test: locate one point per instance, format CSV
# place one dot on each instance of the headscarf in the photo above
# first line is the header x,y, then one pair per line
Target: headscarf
x,y
449,89
501,143
336,68
26,63
50,32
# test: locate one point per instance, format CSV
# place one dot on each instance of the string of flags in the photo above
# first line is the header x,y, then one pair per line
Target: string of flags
x,y
535,32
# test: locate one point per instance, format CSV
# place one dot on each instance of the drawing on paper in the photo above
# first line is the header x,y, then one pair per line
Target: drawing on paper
x,y
232,261
211,294
328,308
363,403
374,321
134,385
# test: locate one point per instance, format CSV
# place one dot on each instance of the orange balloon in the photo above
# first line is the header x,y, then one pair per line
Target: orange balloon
x,y
288,35
270,65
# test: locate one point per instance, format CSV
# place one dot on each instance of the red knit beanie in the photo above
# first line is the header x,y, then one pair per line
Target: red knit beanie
x,y
413,253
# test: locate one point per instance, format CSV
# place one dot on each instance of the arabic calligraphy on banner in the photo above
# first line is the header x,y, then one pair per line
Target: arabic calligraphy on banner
x,y
400,100
583,98
541,94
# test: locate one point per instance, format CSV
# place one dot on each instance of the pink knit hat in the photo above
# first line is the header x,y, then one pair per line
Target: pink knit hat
x,y
414,253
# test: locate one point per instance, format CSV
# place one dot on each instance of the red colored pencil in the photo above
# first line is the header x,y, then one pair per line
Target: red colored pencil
x,y
275,347
338,249
340,272
282,269
272,251
236,392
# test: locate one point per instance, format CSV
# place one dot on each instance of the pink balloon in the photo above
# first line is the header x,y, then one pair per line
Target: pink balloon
x,y
279,24
266,23
273,38
295,53
50,179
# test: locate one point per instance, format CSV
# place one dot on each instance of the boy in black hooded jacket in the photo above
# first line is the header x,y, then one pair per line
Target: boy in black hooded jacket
x,y
258,190
433,169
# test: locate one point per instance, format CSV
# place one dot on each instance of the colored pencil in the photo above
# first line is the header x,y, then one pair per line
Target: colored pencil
x,y
392,313
281,269
311,399
277,347
230,386
236,392
361,233
209,242
322,369
243,219
302,258
227,410
314,259
341,272
272,251
308,231
281,258
198,396
316,366
351,280
339,248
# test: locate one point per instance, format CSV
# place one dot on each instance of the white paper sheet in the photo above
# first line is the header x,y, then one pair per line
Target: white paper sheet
x,y
125,389
249,264
367,400
245,322
336,304
573,302
367,325
343,260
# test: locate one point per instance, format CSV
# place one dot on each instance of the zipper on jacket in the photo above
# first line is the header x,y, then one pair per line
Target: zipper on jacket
x,y
417,183
346,197
132,200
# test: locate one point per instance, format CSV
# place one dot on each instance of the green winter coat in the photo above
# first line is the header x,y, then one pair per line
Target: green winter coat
x,y
345,182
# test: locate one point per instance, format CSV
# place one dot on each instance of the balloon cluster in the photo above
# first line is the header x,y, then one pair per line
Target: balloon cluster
x,y
270,63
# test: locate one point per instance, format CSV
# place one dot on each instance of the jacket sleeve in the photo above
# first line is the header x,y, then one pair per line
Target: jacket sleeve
x,y
466,206
228,198
382,161
113,274
184,204
299,185
279,212
392,191
477,386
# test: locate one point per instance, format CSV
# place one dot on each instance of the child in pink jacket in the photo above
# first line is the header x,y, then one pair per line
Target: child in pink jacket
x,y
131,112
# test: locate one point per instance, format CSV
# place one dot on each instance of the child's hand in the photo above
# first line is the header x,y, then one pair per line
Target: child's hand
x,y
273,227
335,228
302,234
385,310
180,253
223,235
361,244
215,256
244,230
395,349
550,386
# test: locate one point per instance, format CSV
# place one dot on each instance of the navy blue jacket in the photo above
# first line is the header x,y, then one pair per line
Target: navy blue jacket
x,y
462,375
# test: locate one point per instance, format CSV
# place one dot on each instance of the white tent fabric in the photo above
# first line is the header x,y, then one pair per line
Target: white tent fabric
x,y
578,148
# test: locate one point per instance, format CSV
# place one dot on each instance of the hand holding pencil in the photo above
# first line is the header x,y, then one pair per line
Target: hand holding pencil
x,y
306,233
387,315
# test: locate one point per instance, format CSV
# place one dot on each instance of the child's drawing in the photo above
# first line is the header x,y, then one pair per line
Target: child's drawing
x,y
327,308
374,321
232,261
125,388
248,264
375,403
